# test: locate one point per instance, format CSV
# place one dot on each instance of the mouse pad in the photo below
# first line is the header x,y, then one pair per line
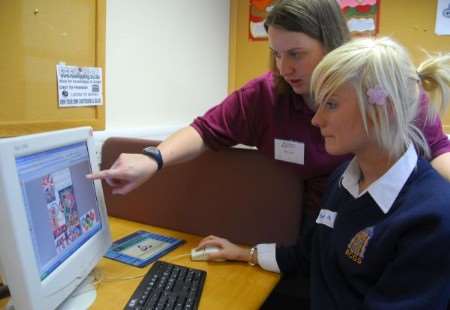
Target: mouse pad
x,y
141,248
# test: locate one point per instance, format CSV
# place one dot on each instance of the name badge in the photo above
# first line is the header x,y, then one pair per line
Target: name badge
x,y
326,217
290,151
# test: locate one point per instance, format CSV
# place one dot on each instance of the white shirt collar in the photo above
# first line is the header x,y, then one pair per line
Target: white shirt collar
x,y
385,189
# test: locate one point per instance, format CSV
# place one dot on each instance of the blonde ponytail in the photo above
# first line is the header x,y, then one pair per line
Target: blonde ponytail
x,y
434,73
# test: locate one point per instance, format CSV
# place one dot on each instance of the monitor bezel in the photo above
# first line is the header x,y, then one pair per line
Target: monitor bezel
x,y
21,272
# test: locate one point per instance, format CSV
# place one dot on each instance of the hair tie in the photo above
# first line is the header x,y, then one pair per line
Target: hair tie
x,y
377,95
429,84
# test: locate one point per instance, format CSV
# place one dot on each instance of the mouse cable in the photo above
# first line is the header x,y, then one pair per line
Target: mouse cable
x,y
109,279
99,275
171,259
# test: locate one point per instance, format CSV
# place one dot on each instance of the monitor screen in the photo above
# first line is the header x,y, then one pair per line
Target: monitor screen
x,y
53,228
61,206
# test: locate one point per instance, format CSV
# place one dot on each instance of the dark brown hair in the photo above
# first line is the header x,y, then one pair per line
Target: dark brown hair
x,y
319,19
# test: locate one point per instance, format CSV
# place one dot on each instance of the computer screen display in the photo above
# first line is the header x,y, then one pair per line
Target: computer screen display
x,y
61,206
53,223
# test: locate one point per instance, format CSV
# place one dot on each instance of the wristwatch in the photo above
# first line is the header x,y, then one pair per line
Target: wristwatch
x,y
253,256
154,153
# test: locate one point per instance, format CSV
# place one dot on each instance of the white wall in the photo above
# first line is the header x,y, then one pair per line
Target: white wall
x,y
166,62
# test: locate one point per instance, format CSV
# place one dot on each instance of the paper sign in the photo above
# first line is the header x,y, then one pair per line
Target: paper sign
x,y
290,151
443,18
79,86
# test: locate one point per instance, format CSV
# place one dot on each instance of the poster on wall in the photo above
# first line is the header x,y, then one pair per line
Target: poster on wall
x,y
443,18
258,13
79,86
362,16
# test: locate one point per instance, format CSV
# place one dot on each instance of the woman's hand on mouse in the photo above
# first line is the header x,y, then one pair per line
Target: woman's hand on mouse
x,y
228,250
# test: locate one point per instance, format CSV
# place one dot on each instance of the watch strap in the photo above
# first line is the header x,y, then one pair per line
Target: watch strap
x,y
154,153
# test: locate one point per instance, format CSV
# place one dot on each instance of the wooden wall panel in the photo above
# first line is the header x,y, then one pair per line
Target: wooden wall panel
x,y
37,35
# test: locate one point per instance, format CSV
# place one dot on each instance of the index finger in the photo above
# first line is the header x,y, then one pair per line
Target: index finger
x,y
98,175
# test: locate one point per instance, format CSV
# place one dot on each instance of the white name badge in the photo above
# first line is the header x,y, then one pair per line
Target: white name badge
x,y
326,217
290,151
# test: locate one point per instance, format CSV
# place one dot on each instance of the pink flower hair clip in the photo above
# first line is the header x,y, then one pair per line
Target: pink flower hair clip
x,y
377,95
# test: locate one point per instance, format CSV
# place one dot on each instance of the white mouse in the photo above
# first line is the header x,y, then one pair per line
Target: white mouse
x,y
202,254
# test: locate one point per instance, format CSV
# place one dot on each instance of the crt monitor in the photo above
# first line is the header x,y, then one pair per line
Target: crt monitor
x,y
53,220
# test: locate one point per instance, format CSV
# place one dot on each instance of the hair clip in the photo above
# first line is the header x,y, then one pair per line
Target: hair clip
x,y
377,95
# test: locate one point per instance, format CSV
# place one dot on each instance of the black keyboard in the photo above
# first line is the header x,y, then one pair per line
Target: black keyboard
x,y
168,286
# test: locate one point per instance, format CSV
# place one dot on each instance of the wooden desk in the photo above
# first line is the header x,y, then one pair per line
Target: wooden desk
x,y
228,285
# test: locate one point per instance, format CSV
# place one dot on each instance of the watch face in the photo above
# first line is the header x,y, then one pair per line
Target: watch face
x,y
151,150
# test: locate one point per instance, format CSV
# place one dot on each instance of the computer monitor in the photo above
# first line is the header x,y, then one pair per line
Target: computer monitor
x,y
53,221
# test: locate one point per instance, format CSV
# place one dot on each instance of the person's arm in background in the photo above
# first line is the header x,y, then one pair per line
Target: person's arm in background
x,y
437,139
442,165
129,171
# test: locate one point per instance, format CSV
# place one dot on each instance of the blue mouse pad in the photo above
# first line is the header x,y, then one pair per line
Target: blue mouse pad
x,y
141,248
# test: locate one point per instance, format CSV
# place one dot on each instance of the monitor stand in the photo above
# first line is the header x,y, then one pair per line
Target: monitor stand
x,y
80,299
83,296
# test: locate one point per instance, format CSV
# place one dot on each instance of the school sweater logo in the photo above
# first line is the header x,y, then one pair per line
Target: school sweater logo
x,y
357,246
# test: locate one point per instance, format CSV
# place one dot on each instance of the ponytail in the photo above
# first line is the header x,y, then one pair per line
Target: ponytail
x,y
434,74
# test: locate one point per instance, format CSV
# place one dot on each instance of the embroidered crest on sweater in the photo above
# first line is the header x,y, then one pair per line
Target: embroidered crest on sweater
x,y
357,246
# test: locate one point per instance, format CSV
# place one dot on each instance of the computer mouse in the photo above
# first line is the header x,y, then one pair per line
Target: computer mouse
x,y
202,253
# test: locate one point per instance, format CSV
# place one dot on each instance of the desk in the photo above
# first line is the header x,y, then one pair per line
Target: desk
x,y
228,285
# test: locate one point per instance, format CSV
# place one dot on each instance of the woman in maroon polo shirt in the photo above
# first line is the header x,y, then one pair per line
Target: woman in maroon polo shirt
x,y
272,112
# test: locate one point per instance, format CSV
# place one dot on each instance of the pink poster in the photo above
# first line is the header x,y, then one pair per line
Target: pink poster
x,y
258,13
362,16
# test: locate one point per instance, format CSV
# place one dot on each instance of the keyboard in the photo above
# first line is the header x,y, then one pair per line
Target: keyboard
x,y
168,286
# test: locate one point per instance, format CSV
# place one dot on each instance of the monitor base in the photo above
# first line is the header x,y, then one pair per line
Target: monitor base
x,y
83,297
80,299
